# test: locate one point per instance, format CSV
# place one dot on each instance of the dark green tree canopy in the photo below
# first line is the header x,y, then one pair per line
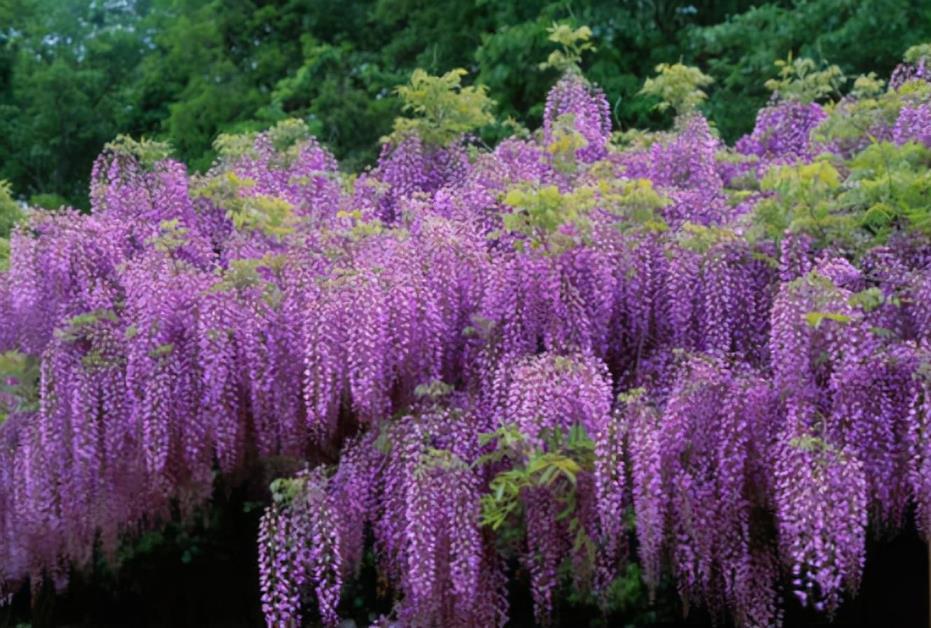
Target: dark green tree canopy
x,y
76,73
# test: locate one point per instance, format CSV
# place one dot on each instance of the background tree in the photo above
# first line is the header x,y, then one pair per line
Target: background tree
x,y
74,74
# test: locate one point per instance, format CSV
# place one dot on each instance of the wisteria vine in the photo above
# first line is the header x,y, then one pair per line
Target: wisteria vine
x,y
574,346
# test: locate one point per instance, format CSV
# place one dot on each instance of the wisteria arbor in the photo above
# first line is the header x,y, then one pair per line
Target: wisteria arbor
x,y
574,346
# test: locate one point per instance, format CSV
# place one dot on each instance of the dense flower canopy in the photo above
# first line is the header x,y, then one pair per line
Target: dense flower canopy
x,y
650,348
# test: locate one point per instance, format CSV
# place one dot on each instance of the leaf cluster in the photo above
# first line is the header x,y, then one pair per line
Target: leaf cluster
x,y
19,383
286,136
565,144
918,54
270,215
802,201
678,87
10,215
854,205
635,203
443,109
285,490
147,152
573,42
852,122
555,466
801,80
703,238
171,236
547,218
889,187
78,326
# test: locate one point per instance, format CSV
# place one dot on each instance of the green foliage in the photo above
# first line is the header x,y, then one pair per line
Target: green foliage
x,y
287,136
678,87
825,298
434,458
79,325
802,202
556,465
341,91
555,222
10,211
889,187
444,110
251,273
361,227
286,490
75,74
809,442
627,590
703,238
547,218
48,201
870,299
573,43
552,461
635,202
918,54
145,151
851,122
10,216
4,254
862,36
232,146
566,143
433,390
171,236
269,215
867,86
66,67
19,383
883,189
801,80
814,319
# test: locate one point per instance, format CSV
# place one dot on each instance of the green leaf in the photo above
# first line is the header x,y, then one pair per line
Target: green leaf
x,y
814,319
